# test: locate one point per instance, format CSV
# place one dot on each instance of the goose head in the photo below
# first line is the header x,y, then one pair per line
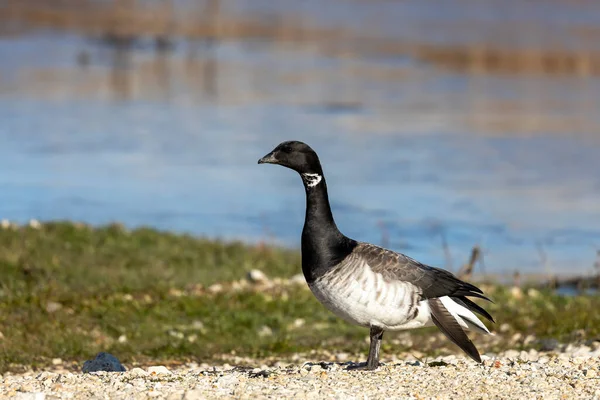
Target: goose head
x,y
294,155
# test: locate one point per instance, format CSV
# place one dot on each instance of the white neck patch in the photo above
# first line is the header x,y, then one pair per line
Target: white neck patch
x,y
311,180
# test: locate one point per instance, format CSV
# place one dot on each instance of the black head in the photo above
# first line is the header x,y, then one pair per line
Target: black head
x,y
295,155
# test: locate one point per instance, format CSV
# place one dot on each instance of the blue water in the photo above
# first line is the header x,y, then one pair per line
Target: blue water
x,y
414,155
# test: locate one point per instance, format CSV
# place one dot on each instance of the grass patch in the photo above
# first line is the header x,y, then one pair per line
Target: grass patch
x,y
70,291
71,260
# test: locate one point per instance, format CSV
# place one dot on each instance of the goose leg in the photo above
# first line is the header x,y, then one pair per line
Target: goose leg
x,y
376,336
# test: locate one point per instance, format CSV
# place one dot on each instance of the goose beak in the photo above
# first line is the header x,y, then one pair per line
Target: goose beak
x,y
268,159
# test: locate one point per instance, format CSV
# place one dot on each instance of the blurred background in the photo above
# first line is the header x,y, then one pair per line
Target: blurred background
x,y
441,125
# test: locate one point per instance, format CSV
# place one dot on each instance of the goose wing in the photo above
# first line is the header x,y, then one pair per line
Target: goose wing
x,y
432,282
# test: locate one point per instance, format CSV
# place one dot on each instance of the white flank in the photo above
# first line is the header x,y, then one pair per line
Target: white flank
x,y
463,315
311,179
363,297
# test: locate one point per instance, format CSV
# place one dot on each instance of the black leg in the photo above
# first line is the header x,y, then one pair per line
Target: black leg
x,y
376,335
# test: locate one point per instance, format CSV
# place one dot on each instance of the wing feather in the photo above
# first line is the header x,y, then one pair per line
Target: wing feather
x,y
432,282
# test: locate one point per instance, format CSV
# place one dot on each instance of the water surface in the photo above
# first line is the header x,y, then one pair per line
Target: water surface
x,y
415,155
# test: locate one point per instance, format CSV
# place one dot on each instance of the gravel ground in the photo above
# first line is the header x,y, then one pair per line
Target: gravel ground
x,y
574,374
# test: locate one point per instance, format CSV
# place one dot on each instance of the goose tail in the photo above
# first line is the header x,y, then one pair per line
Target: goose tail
x,y
454,315
462,310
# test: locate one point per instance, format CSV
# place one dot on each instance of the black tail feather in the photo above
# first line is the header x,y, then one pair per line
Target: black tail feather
x,y
449,326
470,293
474,307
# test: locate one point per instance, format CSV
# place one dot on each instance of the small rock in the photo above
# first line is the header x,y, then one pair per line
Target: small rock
x,y
591,373
228,380
548,344
578,360
511,354
52,307
516,337
529,339
176,334
315,368
137,373
298,323
215,288
265,331
504,327
103,362
257,276
523,355
158,370
533,355
516,292
197,325
57,361
298,279
122,339
582,351
452,359
35,224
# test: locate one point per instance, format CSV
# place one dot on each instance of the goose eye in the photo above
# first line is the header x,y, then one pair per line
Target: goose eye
x,y
286,149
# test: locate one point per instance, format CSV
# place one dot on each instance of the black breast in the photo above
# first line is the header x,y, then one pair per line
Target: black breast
x,y
321,253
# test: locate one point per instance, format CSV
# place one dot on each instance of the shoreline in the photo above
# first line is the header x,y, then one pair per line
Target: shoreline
x,y
526,279
573,374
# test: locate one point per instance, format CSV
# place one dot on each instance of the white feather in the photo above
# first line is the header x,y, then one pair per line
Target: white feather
x,y
311,180
465,317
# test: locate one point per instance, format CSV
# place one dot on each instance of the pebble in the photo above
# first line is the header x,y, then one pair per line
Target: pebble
x,y
257,276
137,373
158,370
104,362
52,307
591,373
35,224
516,292
265,331
215,288
298,279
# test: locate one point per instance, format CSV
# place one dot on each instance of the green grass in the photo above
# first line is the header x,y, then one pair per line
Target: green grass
x,y
149,287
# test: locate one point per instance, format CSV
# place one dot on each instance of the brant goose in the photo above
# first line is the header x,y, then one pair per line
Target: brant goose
x,y
371,286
